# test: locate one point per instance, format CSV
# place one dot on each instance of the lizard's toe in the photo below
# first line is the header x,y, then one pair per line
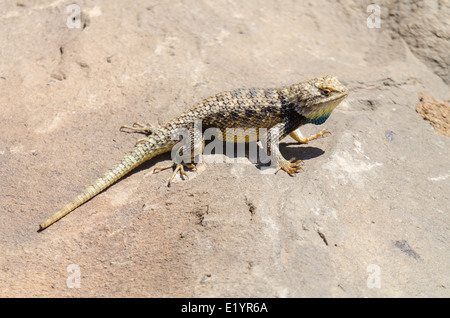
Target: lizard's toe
x,y
147,129
179,167
290,167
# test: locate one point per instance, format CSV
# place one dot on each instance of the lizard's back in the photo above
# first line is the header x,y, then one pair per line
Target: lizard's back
x,y
247,108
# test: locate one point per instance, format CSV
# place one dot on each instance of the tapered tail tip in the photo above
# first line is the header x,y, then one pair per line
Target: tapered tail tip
x,y
44,225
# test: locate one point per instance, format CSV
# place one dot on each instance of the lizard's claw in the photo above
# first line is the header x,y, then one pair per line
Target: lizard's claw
x,y
290,166
179,167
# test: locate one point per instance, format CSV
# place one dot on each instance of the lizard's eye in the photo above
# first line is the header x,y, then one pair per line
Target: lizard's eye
x,y
326,92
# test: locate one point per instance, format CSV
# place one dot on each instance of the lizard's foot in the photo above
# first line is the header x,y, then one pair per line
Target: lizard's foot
x,y
290,166
147,129
178,167
297,135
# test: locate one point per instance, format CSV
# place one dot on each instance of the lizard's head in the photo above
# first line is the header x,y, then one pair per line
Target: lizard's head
x,y
315,99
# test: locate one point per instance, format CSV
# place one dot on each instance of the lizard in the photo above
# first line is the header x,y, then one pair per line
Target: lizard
x,y
280,111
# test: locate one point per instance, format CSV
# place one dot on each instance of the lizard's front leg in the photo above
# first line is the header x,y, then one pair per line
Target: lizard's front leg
x,y
270,144
297,135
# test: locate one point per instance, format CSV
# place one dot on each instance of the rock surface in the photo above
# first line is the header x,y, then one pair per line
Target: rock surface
x,y
369,216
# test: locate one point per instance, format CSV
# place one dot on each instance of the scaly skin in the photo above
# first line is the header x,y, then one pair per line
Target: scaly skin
x,y
279,111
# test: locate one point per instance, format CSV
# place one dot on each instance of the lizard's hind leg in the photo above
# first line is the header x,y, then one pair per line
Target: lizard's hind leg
x,y
147,129
179,167
179,164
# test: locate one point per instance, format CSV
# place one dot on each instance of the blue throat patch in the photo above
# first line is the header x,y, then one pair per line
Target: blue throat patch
x,y
318,120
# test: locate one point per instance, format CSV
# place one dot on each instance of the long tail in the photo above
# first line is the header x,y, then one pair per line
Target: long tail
x,y
139,155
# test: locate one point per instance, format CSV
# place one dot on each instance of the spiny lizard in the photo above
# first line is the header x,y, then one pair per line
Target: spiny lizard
x,y
279,111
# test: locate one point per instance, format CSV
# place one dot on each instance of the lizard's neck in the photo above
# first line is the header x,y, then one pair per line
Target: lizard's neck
x,y
313,110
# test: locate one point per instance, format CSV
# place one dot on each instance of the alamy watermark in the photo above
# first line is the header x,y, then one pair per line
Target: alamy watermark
x,y
374,19
74,279
74,19
374,277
